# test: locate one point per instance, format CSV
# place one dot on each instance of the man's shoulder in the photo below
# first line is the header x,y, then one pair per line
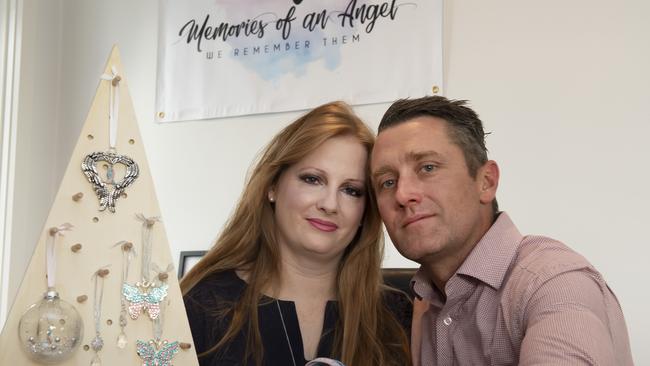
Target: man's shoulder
x,y
540,259
553,291
544,256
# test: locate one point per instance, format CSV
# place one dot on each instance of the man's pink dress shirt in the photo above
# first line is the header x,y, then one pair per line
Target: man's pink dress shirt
x,y
520,300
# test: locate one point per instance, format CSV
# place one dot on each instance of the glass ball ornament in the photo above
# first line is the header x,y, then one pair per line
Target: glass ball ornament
x,y
51,330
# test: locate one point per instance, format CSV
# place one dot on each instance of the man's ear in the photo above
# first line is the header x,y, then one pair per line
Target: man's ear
x,y
488,180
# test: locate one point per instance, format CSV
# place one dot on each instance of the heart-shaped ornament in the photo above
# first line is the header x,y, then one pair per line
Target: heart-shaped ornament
x,y
109,191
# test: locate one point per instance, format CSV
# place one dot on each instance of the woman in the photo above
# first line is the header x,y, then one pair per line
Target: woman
x,y
295,274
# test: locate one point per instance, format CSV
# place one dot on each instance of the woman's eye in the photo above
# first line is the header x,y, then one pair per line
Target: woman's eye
x,y
353,191
310,179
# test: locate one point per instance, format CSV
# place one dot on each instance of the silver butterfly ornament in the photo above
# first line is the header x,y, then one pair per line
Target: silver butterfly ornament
x,y
156,353
148,300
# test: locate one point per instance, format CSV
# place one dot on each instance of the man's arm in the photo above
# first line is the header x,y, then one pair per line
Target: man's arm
x,y
573,318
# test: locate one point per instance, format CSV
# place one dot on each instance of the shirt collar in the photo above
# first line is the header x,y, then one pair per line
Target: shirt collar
x,y
491,257
488,261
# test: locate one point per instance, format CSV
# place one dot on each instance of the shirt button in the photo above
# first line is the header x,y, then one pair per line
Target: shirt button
x,y
447,321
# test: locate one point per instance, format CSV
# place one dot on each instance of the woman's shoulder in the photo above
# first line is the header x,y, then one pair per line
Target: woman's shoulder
x,y
219,286
207,305
393,295
209,299
399,304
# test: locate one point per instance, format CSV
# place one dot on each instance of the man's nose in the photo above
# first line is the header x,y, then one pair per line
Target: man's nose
x,y
408,191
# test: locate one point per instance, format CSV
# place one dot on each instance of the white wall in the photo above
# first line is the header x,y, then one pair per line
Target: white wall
x,y
562,85
40,92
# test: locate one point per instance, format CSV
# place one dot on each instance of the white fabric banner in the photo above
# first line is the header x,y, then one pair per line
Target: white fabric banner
x,y
219,58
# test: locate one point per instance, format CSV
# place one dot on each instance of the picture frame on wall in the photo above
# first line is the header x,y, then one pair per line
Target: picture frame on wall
x,y
187,260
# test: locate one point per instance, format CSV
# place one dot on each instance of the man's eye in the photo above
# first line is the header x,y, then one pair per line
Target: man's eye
x,y
428,168
388,183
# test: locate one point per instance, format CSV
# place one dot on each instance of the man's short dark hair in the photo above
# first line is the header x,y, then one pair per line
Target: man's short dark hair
x,y
464,127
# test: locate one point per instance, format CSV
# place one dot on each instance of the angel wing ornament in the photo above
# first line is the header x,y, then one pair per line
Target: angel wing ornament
x,y
109,191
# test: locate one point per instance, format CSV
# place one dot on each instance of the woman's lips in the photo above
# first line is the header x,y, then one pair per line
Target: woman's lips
x,y
323,225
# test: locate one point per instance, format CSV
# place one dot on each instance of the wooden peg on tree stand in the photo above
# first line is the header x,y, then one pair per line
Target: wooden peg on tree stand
x,y
116,80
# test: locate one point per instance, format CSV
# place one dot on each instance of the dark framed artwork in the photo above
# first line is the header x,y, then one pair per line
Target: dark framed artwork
x,y
188,259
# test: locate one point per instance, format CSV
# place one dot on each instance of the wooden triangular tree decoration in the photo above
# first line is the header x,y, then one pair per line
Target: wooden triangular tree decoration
x,y
103,242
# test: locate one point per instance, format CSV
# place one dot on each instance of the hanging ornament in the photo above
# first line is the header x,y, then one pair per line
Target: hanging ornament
x,y
51,330
108,190
146,295
156,352
128,252
98,342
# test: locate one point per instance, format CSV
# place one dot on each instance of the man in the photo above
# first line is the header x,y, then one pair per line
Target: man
x,y
487,295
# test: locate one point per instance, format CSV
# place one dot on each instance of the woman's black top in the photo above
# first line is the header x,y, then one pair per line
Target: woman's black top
x,y
221,290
